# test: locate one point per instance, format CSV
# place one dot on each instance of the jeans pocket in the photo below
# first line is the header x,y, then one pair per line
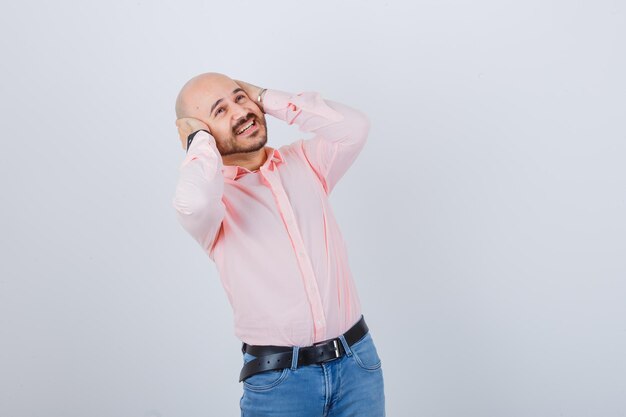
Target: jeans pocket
x,y
365,354
265,380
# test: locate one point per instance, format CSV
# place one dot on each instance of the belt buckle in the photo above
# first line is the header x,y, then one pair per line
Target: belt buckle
x,y
336,350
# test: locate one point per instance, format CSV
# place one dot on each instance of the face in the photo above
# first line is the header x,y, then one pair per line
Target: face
x,y
227,110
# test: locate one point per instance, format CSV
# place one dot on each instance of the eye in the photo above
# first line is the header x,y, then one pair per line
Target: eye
x,y
217,112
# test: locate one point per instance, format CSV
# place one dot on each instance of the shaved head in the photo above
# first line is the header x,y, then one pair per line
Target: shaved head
x,y
193,91
224,106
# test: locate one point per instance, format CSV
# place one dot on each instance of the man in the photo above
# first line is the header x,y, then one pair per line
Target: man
x,y
263,216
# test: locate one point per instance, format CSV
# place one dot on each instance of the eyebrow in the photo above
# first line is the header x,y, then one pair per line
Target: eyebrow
x,y
236,90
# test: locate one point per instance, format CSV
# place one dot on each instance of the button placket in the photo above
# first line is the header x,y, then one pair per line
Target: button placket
x,y
310,284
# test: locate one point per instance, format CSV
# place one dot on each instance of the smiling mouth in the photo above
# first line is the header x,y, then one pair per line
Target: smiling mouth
x,y
248,127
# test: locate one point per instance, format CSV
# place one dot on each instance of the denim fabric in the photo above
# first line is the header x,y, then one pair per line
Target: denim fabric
x,y
348,386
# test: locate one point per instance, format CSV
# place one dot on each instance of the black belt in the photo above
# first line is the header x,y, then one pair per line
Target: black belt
x,y
270,357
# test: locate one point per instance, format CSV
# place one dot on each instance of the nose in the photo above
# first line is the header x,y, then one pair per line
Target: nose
x,y
239,112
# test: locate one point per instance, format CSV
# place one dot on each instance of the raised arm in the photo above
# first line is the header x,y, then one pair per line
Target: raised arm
x,y
340,131
198,196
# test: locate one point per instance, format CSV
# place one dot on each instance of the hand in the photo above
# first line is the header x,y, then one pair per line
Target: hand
x,y
252,91
186,126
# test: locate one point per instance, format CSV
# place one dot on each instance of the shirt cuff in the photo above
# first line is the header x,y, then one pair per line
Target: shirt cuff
x,y
287,106
191,136
274,100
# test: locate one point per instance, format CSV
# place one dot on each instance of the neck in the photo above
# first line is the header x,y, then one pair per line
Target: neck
x,y
249,160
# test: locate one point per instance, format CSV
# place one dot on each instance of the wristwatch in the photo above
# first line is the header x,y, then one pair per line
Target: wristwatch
x,y
191,136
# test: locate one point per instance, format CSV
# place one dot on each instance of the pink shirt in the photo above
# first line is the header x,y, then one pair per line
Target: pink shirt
x,y
271,232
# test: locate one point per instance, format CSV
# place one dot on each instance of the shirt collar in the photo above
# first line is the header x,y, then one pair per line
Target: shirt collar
x,y
234,172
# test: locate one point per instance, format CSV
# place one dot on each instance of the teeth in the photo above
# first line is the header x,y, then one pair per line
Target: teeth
x,y
245,128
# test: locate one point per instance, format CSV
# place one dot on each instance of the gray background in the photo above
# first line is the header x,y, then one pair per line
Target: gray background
x,y
485,218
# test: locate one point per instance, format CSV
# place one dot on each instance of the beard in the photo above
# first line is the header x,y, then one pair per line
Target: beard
x,y
246,144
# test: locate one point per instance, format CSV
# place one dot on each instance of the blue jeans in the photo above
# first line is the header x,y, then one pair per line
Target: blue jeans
x,y
351,385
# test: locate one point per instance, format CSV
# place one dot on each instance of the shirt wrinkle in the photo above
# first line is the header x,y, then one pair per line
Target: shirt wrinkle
x,y
272,234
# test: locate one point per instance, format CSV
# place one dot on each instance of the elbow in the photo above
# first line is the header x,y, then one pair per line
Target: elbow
x,y
201,219
195,197
360,127
199,209
188,206
365,126
353,127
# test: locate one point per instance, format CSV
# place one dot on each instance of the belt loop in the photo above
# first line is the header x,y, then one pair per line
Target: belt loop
x,y
294,358
345,345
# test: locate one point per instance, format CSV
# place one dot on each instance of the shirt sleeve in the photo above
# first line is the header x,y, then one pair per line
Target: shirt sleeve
x,y
340,131
191,136
199,191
